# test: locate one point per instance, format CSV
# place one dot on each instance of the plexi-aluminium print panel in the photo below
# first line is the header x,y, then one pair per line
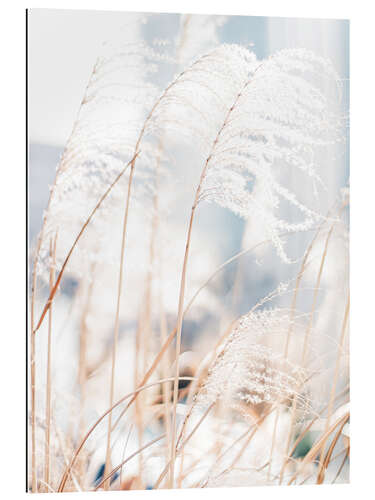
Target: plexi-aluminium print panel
x,y
188,251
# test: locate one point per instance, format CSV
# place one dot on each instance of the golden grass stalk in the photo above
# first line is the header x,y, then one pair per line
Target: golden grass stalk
x,y
49,367
328,457
180,312
124,230
286,351
166,390
347,451
117,319
315,297
144,330
33,387
322,461
82,373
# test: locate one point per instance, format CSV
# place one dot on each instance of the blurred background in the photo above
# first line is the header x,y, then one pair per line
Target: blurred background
x,y
62,49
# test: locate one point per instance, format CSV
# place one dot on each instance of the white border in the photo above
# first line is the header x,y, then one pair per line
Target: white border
x,y
12,199
286,8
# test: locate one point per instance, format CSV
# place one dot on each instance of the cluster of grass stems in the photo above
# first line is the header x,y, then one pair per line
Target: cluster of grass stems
x,y
322,451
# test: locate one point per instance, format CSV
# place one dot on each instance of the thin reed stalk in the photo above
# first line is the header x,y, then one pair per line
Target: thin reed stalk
x,y
341,466
327,458
33,387
47,458
138,401
82,369
124,231
144,329
82,372
166,390
315,297
183,277
117,321
322,464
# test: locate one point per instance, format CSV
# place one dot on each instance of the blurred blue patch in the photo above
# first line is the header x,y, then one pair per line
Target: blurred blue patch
x,y
100,475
